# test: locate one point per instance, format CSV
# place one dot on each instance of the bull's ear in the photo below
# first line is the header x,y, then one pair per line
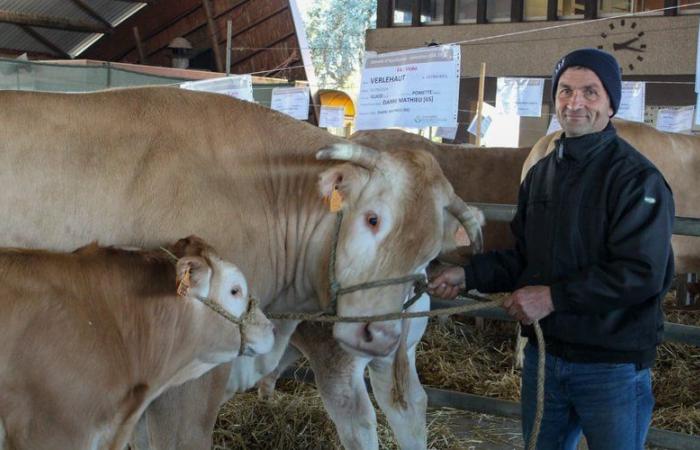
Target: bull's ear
x,y
190,246
348,179
455,242
193,276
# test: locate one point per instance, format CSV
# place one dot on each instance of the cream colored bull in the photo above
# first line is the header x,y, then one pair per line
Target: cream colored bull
x,y
142,166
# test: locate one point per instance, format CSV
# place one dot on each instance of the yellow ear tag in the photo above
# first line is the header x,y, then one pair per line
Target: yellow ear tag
x,y
183,286
336,202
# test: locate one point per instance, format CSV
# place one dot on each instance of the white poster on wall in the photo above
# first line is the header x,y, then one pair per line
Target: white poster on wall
x,y
697,64
697,110
238,86
411,88
675,120
632,102
554,125
291,101
520,96
332,117
497,130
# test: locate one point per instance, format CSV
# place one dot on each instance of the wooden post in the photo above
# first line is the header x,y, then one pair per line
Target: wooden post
x,y
229,33
212,35
139,46
482,80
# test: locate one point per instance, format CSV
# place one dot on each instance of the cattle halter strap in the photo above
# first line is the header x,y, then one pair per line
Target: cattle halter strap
x,y
246,320
420,283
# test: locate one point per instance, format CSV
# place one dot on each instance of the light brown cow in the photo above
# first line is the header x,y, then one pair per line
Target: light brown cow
x,y
144,166
677,156
478,175
90,338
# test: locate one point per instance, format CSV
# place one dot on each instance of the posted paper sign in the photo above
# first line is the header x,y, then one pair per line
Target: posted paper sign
x,y
411,88
332,117
675,120
497,130
238,86
520,96
554,125
632,102
697,65
446,132
291,101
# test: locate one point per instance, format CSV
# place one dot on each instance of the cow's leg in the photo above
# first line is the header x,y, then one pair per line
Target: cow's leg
x,y
183,417
407,423
266,385
340,381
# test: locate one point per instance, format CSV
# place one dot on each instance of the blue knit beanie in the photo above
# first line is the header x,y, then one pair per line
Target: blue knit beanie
x,y
603,64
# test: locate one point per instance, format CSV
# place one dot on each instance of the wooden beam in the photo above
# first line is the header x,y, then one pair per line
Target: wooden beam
x,y
139,46
415,13
552,10
668,4
212,35
383,9
481,11
59,23
590,10
150,2
44,41
87,9
517,8
449,12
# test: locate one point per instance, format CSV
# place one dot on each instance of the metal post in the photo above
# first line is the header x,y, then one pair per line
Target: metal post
x,y
229,33
482,80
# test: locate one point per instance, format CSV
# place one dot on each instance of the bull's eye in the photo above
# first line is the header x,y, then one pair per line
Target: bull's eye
x,y
235,291
372,220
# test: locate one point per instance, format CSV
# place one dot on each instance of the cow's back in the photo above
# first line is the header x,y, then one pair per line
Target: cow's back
x,y
146,166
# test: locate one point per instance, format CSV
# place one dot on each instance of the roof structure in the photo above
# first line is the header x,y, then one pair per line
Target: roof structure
x,y
264,40
60,28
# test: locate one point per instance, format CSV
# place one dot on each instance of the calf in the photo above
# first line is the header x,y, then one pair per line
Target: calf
x,y
90,338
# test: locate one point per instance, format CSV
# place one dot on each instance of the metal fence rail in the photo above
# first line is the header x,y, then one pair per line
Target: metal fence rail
x,y
684,226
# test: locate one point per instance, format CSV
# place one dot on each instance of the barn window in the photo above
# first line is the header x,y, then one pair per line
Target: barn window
x,y
403,12
498,10
613,7
466,11
432,11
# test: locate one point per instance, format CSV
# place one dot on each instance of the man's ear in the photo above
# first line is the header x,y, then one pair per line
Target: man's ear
x,y
193,276
348,179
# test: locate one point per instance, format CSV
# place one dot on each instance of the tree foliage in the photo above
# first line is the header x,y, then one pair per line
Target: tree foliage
x,y
336,35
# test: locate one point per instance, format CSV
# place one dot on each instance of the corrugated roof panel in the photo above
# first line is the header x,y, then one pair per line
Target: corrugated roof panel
x,y
14,38
73,43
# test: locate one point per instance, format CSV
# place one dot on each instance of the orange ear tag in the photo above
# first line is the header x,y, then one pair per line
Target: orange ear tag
x,y
183,286
336,202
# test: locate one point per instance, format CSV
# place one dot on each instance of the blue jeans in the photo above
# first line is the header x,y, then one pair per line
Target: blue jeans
x,y
610,403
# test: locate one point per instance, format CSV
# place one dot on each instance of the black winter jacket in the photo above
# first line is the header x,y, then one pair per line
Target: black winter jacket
x,y
594,222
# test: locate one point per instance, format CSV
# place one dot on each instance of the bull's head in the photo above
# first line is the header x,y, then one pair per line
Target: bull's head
x,y
397,207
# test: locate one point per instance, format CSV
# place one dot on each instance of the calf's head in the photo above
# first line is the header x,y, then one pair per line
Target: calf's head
x,y
209,276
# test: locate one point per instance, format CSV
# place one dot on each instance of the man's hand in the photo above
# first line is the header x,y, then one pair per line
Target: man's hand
x,y
447,282
529,304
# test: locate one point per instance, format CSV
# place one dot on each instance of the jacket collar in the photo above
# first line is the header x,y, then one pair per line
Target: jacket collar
x,y
584,147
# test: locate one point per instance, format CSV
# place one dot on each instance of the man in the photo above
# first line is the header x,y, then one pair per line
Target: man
x,y
592,262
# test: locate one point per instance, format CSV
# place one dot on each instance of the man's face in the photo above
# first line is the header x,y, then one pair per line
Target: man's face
x,y
582,104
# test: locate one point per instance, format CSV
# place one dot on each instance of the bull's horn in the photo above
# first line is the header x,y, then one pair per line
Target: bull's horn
x,y
471,218
358,154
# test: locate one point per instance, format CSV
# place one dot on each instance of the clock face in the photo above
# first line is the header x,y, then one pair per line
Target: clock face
x,y
625,41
